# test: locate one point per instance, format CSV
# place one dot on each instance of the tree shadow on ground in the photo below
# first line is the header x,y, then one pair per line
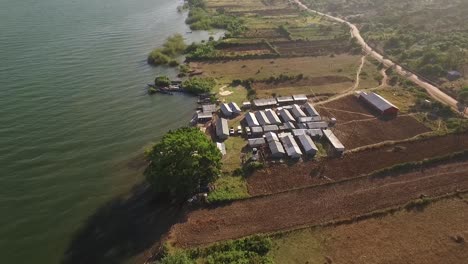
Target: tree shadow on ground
x,y
123,228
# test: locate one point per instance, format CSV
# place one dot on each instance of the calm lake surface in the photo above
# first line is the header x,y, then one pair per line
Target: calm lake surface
x,y
74,112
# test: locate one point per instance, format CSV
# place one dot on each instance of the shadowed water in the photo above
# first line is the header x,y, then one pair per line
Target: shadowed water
x,y
74,113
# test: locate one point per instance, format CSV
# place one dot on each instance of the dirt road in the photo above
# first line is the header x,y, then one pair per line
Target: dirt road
x,y
315,205
435,92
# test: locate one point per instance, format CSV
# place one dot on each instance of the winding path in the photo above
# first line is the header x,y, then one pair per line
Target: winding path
x,y
435,92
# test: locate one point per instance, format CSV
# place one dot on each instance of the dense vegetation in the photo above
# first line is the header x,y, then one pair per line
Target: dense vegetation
x,y
248,250
173,47
162,81
429,37
182,162
199,85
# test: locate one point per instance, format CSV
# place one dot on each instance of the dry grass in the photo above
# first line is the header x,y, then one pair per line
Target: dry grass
x,y
406,237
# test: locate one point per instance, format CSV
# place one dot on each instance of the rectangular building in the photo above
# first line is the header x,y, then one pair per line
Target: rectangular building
x,y
226,110
260,103
317,125
297,111
276,149
251,120
334,141
307,145
208,108
286,115
270,128
282,100
272,117
256,142
222,128
310,109
378,103
291,147
256,131
235,108
308,119
262,118
222,147
300,98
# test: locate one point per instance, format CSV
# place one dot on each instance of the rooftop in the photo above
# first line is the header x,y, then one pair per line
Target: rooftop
x,y
377,101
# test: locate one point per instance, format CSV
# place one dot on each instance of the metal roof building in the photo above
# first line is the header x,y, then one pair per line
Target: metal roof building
x,y
203,116
310,109
226,110
308,119
208,108
271,136
262,118
272,116
264,102
300,98
289,125
251,120
284,99
270,128
317,125
297,111
276,149
256,130
256,142
286,115
221,147
379,103
235,108
291,147
222,128
334,141
307,145
315,132
246,105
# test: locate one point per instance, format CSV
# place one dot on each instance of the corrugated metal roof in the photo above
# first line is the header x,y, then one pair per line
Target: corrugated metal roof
x,y
308,119
227,111
307,144
262,118
271,136
234,107
209,108
291,147
286,115
310,109
336,143
264,102
300,97
256,142
256,130
221,147
276,149
251,120
269,128
289,125
297,132
377,101
204,115
315,132
297,111
272,116
284,99
222,128
317,125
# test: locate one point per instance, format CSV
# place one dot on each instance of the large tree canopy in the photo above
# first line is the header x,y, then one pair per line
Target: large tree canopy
x,y
184,160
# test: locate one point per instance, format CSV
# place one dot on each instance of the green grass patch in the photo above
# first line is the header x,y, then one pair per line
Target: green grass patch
x,y
232,159
303,246
229,188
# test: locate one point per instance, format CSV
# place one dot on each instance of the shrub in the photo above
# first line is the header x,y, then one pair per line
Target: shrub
x,y
199,85
173,47
162,81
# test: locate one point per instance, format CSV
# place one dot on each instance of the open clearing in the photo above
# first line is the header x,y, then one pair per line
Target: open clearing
x,y
422,237
278,178
316,205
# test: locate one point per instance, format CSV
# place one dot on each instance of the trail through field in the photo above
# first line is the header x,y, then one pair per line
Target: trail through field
x,y
315,205
435,92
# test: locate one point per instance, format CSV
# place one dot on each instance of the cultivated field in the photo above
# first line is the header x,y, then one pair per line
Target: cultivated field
x,y
278,178
423,237
316,205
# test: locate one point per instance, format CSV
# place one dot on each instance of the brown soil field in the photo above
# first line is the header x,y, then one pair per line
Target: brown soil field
x,y
248,48
278,178
310,48
367,132
417,237
316,205
345,109
263,34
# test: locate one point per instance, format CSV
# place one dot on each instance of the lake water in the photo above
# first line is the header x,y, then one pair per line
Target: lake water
x,y
74,112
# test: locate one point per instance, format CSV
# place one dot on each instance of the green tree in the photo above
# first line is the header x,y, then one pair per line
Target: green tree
x,y
162,81
184,160
199,85
178,258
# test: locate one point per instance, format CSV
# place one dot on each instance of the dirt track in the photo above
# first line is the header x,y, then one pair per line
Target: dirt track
x,y
282,177
315,205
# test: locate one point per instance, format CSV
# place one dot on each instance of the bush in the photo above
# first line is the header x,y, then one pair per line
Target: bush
x,y
199,85
178,258
162,81
173,47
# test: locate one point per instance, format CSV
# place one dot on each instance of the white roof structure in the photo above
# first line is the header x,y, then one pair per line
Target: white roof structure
x,y
300,98
307,144
226,110
271,136
272,116
264,102
204,116
289,125
235,108
310,109
315,132
221,147
377,101
270,128
297,111
209,108
262,118
334,141
251,120
308,119
256,130
297,132
284,99
256,142
291,147
286,115
317,125
246,104
222,128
